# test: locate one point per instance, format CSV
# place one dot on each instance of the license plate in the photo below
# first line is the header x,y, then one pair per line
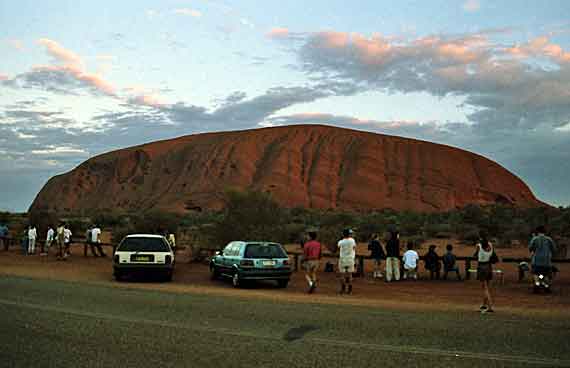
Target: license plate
x,y
141,258
269,263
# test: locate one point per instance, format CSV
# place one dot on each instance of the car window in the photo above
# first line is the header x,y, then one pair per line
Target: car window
x,y
228,250
143,245
264,250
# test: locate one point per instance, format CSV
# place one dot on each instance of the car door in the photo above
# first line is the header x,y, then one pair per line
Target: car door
x,y
225,257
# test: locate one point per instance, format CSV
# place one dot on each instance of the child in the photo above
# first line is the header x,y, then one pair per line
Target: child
x,y
410,259
449,263
432,263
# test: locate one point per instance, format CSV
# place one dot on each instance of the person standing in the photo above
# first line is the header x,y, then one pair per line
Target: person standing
x,y
484,251
347,256
60,240
4,236
542,248
67,242
49,239
96,241
377,254
32,235
312,252
172,241
393,257
410,260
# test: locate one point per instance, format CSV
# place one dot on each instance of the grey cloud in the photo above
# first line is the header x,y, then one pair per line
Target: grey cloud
x,y
54,81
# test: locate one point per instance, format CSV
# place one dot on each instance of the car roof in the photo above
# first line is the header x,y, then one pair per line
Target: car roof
x,y
242,242
144,236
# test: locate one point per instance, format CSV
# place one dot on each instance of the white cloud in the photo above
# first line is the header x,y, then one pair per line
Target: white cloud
x,y
471,6
187,11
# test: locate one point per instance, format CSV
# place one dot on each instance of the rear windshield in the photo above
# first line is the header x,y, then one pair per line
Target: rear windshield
x,y
263,250
143,245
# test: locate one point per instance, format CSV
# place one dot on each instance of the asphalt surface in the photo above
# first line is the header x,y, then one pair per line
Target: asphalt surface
x,y
70,324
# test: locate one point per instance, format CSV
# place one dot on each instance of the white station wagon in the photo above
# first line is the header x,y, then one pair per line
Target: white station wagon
x,y
143,254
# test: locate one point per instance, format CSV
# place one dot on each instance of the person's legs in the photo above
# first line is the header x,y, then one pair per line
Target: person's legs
x,y
389,271
100,249
487,292
396,268
93,252
348,276
32,246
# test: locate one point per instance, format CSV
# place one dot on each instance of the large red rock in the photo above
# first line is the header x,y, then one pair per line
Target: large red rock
x,y
303,165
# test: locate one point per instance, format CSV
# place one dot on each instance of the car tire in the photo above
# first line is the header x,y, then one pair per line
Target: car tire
x,y
236,280
119,276
282,283
214,273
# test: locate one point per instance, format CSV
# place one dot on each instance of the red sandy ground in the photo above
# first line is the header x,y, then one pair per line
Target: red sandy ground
x,y
511,297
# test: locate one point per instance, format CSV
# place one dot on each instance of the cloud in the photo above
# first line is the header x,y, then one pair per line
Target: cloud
x,y
187,11
4,77
61,54
516,86
471,6
16,44
278,32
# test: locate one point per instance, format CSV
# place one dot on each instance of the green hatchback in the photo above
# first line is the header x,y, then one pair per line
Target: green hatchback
x,y
244,261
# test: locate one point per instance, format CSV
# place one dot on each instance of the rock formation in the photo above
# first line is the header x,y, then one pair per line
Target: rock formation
x,y
303,165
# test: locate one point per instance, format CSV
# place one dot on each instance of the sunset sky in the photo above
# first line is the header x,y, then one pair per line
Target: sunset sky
x,y
79,78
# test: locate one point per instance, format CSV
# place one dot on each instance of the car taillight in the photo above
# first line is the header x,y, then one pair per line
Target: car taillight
x,y
116,258
246,263
168,259
286,262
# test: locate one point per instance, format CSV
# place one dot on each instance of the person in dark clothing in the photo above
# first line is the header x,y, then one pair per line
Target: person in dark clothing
x,y
449,263
432,263
393,257
377,254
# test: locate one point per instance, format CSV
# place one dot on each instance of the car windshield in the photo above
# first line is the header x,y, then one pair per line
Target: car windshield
x,y
143,245
264,250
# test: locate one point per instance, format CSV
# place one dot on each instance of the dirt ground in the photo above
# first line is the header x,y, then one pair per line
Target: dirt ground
x,y
510,297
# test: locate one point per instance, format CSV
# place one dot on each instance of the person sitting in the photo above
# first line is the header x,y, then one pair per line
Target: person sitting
x,y
410,260
449,263
432,263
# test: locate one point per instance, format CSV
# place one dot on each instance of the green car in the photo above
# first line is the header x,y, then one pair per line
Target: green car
x,y
244,261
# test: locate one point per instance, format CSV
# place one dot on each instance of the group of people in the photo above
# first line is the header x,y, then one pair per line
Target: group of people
x,y
410,260
60,237
541,248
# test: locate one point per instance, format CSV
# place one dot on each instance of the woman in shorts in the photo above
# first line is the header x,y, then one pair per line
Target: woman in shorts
x,y
484,253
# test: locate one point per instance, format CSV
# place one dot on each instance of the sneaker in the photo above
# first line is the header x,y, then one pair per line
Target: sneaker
x,y
483,309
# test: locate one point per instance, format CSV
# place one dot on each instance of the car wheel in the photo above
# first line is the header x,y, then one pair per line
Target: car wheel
x,y
214,273
236,281
282,283
118,276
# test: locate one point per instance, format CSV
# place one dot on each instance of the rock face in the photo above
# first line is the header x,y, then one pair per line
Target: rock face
x,y
304,165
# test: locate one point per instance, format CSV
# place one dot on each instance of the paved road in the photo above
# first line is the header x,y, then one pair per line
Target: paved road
x,y
64,324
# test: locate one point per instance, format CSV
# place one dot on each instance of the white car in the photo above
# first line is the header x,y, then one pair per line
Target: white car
x,y
143,254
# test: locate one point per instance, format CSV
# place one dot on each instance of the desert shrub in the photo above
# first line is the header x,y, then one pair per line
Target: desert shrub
x,y
437,230
249,215
155,222
468,233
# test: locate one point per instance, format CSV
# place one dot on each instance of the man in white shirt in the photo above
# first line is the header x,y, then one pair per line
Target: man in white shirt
x,y
32,235
347,256
96,242
67,242
49,239
411,259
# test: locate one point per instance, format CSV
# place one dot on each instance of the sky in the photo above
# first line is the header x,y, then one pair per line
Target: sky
x,y
80,78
